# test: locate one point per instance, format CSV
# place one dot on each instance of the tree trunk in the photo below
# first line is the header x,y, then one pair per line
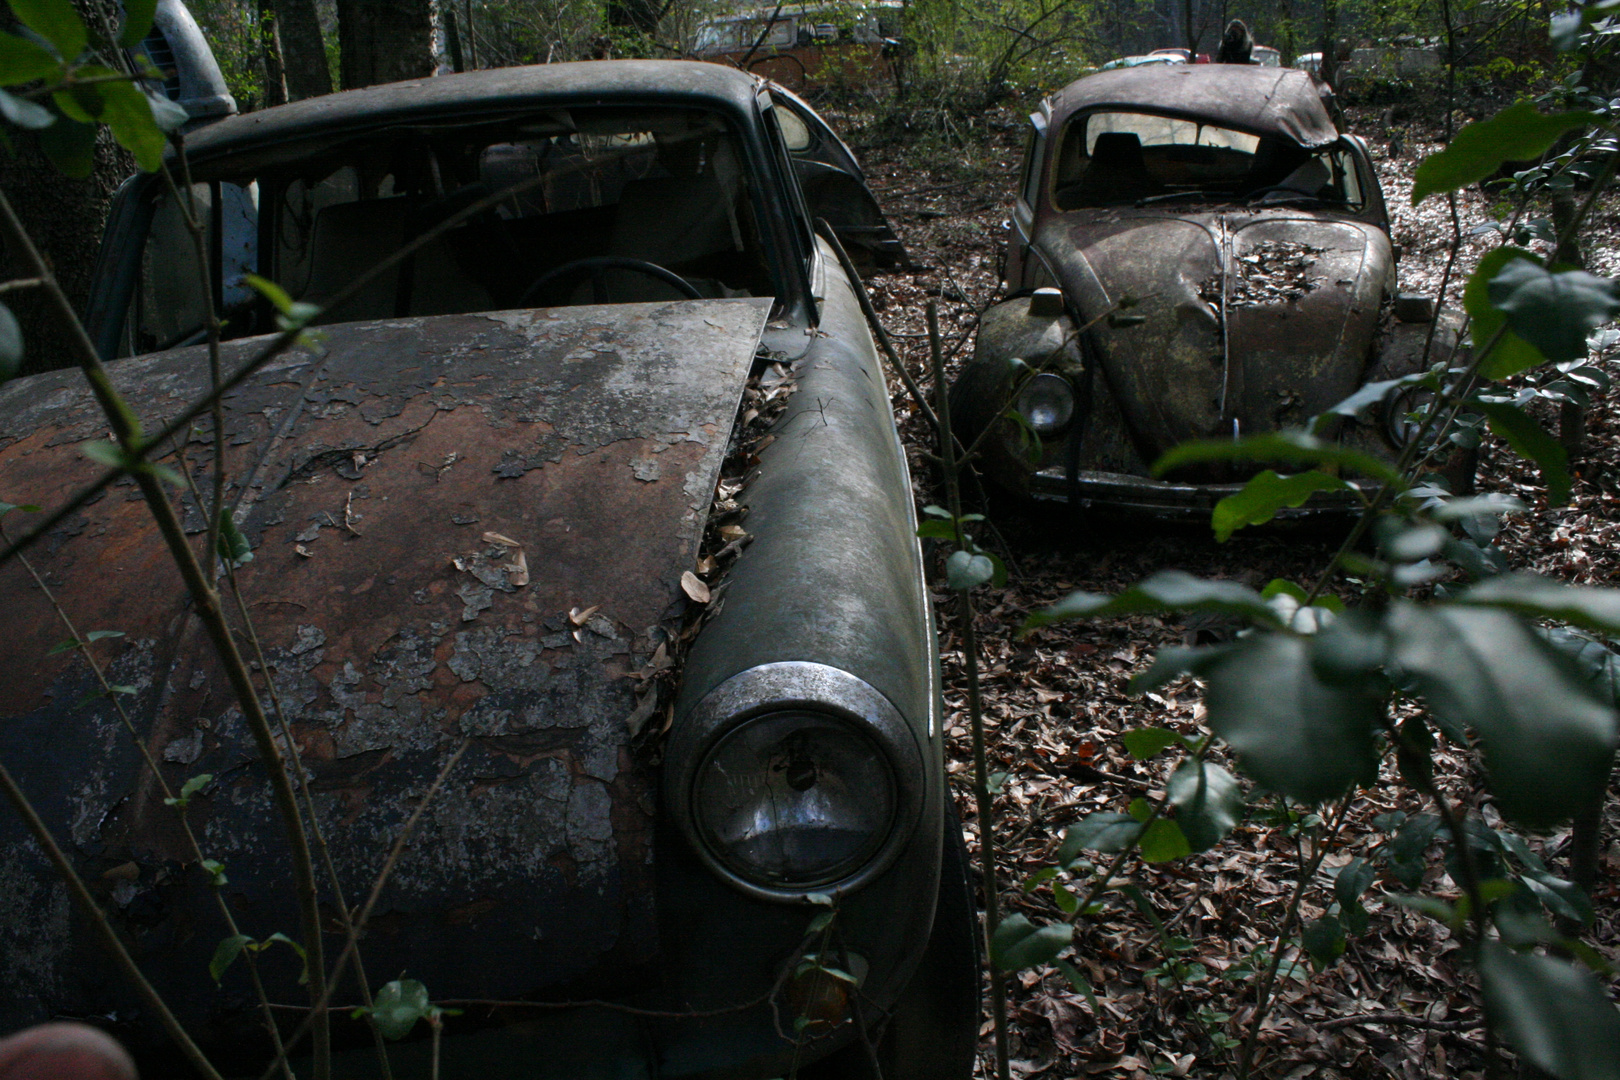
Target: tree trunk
x,y
275,64
384,41
63,216
303,48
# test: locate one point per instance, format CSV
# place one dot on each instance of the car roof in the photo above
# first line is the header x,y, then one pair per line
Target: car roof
x,y
1281,102
498,90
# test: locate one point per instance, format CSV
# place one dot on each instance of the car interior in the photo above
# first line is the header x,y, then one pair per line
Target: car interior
x,y
1110,158
570,206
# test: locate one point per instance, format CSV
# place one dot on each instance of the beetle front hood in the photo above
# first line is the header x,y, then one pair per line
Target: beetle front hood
x,y
393,484
1252,320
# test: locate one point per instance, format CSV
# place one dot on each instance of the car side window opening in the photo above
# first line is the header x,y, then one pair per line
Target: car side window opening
x,y
1034,152
666,187
1111,158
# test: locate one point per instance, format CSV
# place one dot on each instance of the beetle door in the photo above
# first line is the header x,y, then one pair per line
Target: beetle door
x,y
1022,228
835,186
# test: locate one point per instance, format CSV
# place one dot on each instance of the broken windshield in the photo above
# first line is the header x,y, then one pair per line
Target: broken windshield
x,y
569,206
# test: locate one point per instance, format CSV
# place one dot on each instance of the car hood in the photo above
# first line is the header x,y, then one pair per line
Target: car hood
x,y
388,481
1251,320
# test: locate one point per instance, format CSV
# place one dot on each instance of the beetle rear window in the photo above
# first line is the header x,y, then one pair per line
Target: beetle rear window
x,y
1113,158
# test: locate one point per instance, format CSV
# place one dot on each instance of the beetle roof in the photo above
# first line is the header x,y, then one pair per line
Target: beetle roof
x,y
1281,102
497,90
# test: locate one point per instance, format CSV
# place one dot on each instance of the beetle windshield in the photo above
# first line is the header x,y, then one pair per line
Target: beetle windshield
x,y
1111,158
619,201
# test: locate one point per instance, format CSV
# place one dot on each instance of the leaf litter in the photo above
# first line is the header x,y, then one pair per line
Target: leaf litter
x,y
1174,992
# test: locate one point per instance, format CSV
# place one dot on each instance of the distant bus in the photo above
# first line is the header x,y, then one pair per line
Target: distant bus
x,y
807,43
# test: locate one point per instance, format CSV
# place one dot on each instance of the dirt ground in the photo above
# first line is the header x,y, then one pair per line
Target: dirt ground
x,y
1172,964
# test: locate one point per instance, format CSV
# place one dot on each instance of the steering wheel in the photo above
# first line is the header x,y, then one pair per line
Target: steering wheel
x,y
596,267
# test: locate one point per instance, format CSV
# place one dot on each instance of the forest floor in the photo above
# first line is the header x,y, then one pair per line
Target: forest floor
x,y
1172,960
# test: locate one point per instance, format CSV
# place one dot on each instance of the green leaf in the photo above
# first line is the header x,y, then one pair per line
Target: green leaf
x,y
225,954
234,548
137,21
1517,133
1354,406
1168,590
1554,310
1529,440
81,102
169,116
1163,841
1433,907
1512,353
1081,984
934,529
70,146
1353,881
1542,598
397,1007
56,22
1554,1014
1107,833
965,570
6,508
1549,740
216,873
1018,943
1563,898
195,784
23,61
1292,447
1293,732
1144,743
1067,902
1208,802
1141,810
25,114
128,113
1323,938
1264,495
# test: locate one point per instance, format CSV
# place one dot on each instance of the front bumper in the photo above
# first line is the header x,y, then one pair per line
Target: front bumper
x,y
1165,500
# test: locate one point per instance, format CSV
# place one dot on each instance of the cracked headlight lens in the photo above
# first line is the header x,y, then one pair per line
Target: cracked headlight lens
x,y
795,799
1047,403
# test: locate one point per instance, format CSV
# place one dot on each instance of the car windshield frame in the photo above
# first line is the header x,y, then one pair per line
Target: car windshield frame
x,y
263,173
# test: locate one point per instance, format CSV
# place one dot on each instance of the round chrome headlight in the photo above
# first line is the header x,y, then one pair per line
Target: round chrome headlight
x,y
1047,403
794,799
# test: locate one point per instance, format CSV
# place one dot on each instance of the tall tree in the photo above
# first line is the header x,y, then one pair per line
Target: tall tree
x,y
303,49
384,40
64,215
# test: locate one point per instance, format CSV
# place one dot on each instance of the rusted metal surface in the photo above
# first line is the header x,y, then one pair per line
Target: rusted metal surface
x,y
1266,101
366,476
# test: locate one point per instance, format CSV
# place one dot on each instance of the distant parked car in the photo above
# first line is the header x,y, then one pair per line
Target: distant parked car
x,y
474,509
1250,238
800,45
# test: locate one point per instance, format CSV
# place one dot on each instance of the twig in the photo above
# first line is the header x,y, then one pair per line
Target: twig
x,y
1398,1019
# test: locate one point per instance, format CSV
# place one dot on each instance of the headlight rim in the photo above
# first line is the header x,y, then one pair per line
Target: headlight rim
x,y
794,686
1049,378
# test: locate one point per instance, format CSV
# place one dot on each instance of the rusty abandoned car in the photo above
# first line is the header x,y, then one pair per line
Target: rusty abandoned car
x,y
1248,239
471,504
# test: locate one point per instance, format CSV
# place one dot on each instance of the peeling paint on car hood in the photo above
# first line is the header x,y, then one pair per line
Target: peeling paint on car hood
x,y
1261,318
366,474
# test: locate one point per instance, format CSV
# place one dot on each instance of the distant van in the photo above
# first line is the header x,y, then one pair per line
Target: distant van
x,y
807,44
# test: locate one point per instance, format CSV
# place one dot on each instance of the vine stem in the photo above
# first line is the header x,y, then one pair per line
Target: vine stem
x,y
1262,998
163,785
970,645
126,429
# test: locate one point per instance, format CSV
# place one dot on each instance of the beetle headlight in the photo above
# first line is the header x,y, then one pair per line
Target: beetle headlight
x,y
794,799
1047,403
